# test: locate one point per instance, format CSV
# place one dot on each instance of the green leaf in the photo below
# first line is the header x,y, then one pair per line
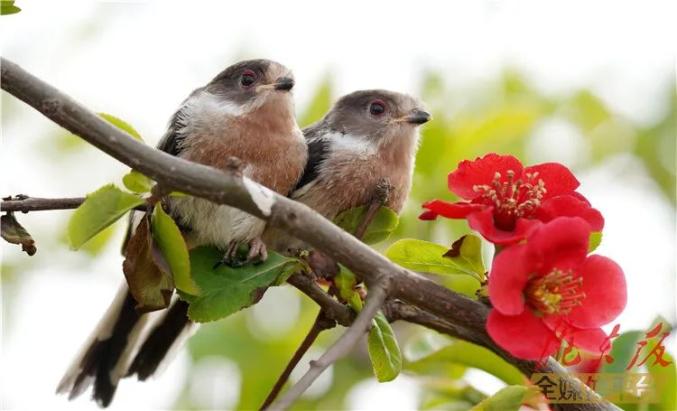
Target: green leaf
x,y
100,209
226,290
99,242
469,355
173,247
595,241
8,7
622,349
665,381
464,258
384,222
507,399
384,352
146,271
346,281
137,182
122,125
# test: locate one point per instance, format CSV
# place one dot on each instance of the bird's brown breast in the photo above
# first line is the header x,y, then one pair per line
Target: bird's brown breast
x,y
347,181
268,143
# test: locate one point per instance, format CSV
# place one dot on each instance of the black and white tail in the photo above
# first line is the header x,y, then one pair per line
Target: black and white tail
x,y
124,343
165,338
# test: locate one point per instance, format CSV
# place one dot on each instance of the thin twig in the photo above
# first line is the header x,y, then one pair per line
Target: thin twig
x,y
320,324
380,198
332,308
322,321
341,347
28,204
38,204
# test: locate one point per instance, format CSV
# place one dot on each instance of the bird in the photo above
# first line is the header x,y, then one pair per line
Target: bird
x,y
246,113
367,137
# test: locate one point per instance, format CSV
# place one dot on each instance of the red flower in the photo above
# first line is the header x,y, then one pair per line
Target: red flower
x,y
549,289
505,201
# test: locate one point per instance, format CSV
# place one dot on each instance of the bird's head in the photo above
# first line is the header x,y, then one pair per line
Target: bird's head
x,y
252,84
380,117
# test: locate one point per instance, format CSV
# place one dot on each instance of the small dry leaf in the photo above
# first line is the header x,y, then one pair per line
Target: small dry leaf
x,y
14,233
147,273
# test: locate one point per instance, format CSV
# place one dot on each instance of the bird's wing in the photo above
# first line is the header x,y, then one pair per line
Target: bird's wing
x,y
318,149
171,141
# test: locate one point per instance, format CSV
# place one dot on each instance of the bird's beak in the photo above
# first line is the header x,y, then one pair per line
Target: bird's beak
x,y
284,84
281,84
416,117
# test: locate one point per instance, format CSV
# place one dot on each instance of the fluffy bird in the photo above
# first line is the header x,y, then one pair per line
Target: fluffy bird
x,y
246,112
368,137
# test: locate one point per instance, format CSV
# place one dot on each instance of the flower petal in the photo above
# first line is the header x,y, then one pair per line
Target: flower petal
x,y
427,216
570,206
509,275
483,222
523,336
593,340
452,210
558,179
561,243
605,293
589,339
480,172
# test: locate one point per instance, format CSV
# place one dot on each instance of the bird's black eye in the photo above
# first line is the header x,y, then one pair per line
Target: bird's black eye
x,y
377,107
248,78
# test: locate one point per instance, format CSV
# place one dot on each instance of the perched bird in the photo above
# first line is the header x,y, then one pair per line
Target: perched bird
x,y
246,112
369,136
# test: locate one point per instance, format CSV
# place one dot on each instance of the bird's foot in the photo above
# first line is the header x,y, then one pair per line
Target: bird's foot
x,y
233,257
258,252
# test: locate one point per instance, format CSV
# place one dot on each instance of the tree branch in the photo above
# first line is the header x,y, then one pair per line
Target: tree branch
x,y
375,298
231,189
332,309
322,322
28,204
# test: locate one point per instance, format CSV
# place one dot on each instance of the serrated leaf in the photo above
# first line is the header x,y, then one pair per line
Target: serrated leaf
x,y
595,241
7,7
464,258
173,247
137,182
147,273
382,225
99,210
384,352
507,399
226,290
469,355
14,233
121,124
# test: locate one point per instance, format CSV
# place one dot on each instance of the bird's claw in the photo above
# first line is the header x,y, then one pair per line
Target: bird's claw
x,y
257,254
